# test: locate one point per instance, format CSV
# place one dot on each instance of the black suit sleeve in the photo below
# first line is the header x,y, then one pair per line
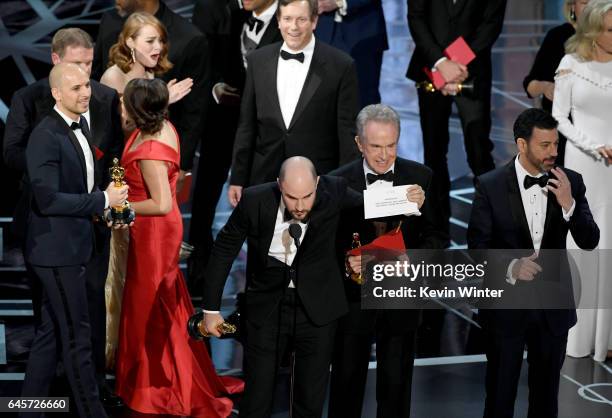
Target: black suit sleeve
x,y
431,237
421,33
227,246
43,160
347,108
187,114
480,227
245,134
490,27
582,225
17,130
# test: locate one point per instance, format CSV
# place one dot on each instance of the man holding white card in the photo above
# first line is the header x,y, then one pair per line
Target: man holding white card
x,y
403,184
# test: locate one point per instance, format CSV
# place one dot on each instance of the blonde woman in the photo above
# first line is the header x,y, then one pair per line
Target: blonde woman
x,y
582,103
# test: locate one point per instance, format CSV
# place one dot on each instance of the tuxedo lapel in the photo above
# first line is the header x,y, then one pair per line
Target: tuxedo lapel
x,y
271,35
75,143
314,77
269,85
553,214
267,219
96,125
457,7
357,180
516,206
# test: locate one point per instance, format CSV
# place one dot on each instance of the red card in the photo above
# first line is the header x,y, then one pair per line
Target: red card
x,y
460,51
435,77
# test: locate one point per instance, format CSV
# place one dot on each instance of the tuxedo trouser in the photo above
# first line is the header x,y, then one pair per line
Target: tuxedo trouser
x,y
65,324
545,356
213,167
475,115
95,278
350,361
263,350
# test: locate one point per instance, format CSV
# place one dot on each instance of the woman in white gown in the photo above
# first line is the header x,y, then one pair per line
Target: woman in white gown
x,y
583,90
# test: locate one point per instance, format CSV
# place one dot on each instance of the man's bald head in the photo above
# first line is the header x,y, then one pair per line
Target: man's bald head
x,y
297,181
70,88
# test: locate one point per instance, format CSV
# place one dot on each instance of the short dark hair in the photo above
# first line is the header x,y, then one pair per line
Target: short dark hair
x,y
312,4
146,102
70,37
532,118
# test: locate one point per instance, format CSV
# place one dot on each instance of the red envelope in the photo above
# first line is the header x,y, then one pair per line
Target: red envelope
x,y
458,51
99,153
392,240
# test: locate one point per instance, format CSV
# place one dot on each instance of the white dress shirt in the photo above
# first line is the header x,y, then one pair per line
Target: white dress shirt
x,y
89,158
290,78
283,246
535,200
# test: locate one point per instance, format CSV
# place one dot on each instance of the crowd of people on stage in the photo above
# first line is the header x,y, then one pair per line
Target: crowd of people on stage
x,y
281,98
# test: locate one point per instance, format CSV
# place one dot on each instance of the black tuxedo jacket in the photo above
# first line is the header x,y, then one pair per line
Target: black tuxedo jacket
x,y
434,24
33,103
319,281
60,228
419,232
188,51
222,24
498,221
322,127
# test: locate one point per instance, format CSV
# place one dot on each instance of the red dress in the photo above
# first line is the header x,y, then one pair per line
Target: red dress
x,y
160,369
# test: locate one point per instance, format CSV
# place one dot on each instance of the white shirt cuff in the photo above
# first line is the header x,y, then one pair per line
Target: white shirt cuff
x,y
213,92
570,212
210,312
341,11
438,62
106,205
509,278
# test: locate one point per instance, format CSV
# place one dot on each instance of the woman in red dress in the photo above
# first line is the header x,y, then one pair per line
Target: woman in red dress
x,y
160,370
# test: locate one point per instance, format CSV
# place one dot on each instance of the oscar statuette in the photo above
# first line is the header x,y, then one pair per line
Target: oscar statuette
x,y
120,214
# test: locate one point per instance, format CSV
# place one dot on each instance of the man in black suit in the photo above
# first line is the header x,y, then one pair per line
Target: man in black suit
x,y
293,296
529,205
300,98
378,129
60,242
29,106
358,28
188,52
434,24
232,33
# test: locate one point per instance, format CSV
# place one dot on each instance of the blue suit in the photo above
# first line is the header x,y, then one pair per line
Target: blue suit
x,y
363,35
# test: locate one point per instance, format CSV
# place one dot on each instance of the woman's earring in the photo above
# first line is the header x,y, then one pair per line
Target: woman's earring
x,y
573,15
133,55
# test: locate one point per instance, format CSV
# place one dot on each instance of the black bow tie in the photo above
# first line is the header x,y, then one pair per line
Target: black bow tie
x,y
83,126
541,181
289,56
388,176
253,22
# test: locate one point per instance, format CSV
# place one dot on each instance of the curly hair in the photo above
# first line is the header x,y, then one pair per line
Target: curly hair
x,y
146,102
590,26
121,55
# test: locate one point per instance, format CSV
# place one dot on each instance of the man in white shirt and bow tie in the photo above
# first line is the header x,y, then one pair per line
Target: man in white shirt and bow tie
x,y
300,98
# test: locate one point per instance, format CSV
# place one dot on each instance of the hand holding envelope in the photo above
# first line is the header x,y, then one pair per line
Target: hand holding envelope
x,y
454,68
393,201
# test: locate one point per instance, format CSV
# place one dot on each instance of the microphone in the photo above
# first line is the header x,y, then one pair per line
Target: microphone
x,y
295,231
